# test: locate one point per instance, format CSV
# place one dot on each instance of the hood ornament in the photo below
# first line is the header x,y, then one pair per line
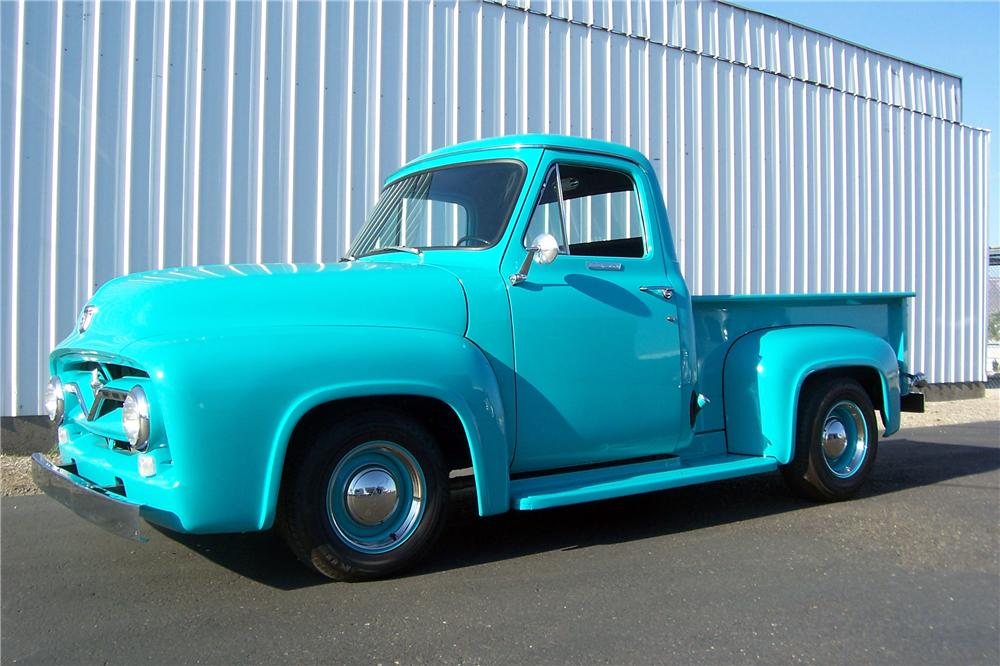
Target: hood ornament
x,y
86,317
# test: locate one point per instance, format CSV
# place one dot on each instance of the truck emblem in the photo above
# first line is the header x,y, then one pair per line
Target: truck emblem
x,y
87,317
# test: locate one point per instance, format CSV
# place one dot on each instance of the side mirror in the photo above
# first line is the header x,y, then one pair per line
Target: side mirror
x,y
546,248
543,250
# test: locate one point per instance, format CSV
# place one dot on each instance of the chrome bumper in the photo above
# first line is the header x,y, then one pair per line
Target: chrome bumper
x,y
94,503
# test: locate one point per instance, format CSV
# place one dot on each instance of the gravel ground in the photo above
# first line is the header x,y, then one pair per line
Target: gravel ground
x,y
16,470
954,412
15,476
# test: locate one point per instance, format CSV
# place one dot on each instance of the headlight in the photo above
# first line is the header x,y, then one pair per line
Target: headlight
x,y
135,418
55,402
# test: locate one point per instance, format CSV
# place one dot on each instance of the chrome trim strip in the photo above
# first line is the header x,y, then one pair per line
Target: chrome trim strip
x,y
605,265
70,354
100,506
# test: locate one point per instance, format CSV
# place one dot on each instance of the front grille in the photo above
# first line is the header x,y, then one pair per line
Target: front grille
x,y
98,389
108,370
109,400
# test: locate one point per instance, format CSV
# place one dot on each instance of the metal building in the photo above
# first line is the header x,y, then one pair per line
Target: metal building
x,y
138,135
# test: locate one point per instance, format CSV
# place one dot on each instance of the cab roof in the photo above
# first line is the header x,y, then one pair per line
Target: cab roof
x,y
553,141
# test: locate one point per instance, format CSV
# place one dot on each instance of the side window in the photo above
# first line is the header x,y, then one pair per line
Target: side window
x,y
599,216
602,213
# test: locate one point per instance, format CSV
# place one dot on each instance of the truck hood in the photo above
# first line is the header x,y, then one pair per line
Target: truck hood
x,y
205,300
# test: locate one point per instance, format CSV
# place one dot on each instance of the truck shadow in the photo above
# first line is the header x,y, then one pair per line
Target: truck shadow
x,y
920,457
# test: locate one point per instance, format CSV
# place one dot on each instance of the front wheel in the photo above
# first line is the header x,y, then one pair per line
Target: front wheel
x,y
364,497
836,440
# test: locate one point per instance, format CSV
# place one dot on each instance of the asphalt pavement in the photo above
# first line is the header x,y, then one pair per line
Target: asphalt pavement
x,y
735,571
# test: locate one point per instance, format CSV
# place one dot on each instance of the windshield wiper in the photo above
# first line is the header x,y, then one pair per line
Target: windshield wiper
x,y
394,248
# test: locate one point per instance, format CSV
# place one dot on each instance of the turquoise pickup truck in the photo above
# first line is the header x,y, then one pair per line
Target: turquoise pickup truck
x,y
513,307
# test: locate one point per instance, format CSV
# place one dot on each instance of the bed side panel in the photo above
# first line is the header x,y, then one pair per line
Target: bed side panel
x,y
720,321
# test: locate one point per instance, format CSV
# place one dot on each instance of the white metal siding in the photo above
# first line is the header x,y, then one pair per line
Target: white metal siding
x,y
762,42
141,135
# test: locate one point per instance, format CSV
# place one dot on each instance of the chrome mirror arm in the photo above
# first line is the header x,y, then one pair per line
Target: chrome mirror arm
x,y
543,250
522,274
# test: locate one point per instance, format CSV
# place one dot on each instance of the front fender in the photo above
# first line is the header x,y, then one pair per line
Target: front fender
x,y
764,372
445,367
231,402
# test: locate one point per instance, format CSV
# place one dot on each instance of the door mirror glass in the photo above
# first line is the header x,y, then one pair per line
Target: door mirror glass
x,y
548,248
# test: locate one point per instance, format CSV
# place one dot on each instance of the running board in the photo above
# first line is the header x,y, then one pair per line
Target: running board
x,y
543,492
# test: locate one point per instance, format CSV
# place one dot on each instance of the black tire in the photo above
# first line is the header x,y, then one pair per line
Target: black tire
x,y
811,472
314,494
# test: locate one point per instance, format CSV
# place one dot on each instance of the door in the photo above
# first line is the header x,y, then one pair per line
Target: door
x,y
596,345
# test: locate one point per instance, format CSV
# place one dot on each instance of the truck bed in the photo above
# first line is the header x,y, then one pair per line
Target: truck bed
x,y
719,321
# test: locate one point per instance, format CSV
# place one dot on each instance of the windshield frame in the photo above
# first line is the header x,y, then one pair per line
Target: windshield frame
x,y
404,173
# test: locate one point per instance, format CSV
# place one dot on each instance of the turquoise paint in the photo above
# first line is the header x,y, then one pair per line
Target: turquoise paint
x,y
770,299
214,298
720,321
598,364
479,272
226,437
514,144
446,368
235,356
605,483
765,371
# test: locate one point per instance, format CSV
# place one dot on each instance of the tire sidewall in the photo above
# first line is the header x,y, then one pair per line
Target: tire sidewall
x,y
328,551
837,487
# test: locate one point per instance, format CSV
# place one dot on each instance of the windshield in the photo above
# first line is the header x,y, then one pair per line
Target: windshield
x,y
465,206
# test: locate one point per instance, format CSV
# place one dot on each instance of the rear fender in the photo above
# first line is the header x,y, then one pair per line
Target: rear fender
x,y
765,370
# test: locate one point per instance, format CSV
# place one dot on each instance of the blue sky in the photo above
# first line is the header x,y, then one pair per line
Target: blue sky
x,y
962,38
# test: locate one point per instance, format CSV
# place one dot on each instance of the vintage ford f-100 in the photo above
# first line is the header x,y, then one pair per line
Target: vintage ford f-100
x,y
513,306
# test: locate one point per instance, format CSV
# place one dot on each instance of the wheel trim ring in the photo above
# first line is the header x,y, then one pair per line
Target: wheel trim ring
x,y
405,517
845,416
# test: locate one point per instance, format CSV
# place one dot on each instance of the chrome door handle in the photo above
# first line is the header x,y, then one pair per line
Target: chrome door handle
x,y
663,292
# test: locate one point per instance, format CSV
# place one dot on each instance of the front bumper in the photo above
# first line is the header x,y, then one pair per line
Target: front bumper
x,y
99,505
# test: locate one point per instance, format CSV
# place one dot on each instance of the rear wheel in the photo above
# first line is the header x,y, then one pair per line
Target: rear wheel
x,y
836,440
365,497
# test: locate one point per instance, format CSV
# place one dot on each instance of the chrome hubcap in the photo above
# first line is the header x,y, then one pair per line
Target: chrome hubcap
x,y
375,497
834,438
371,495
844,439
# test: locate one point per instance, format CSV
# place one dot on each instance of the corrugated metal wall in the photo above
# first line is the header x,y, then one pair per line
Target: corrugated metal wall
x,y
139,135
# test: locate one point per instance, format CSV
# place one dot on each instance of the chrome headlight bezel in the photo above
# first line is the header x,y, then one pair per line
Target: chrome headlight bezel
x,y
55,400
135,418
